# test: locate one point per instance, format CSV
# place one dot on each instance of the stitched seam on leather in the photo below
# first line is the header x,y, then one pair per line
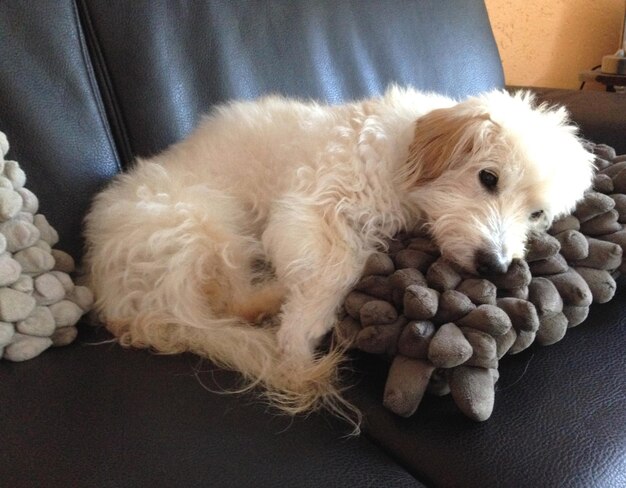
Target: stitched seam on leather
x,y
109,109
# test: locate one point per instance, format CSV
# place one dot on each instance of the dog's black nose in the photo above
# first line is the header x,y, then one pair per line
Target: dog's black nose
x,y
490,263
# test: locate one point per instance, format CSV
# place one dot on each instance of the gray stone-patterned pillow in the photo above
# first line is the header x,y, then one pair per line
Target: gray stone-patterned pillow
x,y
39,302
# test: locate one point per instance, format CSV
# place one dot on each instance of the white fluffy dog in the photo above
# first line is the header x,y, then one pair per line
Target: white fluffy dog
x,y
271,208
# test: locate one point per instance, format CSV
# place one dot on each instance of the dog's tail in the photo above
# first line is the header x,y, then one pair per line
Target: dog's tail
x,y
253,352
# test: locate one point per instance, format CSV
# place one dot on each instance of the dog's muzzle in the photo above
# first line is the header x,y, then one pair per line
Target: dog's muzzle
x,y
490,263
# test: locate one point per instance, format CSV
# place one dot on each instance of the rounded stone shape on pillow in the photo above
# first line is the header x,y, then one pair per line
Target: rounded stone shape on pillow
x,y
34,260
15,306
66,313
10,270
25,347
19,234
10,203
39,323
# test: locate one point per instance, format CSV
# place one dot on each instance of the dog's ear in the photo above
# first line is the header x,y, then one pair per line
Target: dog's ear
x,y
443,138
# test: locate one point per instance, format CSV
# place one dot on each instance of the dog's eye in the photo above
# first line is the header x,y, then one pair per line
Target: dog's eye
x,y
536,215
488,179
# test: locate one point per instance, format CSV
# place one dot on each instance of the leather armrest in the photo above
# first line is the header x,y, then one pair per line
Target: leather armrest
x,y
601,116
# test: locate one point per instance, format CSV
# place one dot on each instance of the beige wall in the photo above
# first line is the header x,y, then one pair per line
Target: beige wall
x,y
546,43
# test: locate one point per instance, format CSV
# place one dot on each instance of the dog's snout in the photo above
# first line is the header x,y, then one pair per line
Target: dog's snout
x,y
490,263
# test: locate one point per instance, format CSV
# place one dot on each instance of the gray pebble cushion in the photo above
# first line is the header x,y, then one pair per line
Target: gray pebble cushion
x,y
445,332
39,302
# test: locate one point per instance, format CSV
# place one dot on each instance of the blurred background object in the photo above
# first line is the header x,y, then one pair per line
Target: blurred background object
x,y
547,44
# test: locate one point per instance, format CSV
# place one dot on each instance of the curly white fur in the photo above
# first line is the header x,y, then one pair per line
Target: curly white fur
x,y
271,208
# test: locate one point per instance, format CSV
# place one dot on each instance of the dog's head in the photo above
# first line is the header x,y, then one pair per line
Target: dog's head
x,y
487,172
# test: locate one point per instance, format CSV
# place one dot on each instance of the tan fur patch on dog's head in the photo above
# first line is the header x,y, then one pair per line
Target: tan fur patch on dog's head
x,y
442,139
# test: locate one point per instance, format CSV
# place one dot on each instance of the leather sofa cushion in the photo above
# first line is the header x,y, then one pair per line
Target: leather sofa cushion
x,y
52,113
559,417
166,63
99,415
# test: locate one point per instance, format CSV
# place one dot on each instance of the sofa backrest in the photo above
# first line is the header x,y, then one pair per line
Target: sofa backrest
x,y
87,85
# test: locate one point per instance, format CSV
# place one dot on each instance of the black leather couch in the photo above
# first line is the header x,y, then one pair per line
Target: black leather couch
x,y
86,85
